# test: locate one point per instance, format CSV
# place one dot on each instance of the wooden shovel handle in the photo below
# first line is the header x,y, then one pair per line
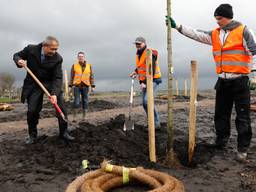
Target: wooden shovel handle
x,y
37,81
56,106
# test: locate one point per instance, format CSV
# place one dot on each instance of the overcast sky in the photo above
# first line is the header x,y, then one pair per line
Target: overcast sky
x,y
106,29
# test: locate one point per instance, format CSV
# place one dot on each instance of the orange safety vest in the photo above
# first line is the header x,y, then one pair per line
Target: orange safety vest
x,y
231,57
141,66
80,76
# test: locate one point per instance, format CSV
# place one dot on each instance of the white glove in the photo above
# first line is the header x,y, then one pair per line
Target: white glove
x,y
253,77
253,66
143,86
133,75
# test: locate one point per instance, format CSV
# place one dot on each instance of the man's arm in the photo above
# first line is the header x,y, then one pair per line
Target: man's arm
x,y
21,55
71,76
154,62
249,39
92,79
57,79
197,35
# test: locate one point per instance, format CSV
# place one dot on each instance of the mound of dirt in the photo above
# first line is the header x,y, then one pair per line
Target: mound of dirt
x,y
94,105
51,156
51,164
181,98
49,111
99,104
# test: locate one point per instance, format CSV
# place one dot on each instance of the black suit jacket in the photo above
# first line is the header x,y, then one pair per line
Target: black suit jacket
x,y
49,72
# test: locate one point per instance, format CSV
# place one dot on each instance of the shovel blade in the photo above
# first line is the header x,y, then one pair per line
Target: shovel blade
x,y
128,125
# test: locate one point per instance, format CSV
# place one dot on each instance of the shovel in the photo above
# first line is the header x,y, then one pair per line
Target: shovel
x,y
56,106
129,123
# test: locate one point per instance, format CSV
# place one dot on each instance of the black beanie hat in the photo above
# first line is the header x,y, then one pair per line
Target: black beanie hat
x,y
224,10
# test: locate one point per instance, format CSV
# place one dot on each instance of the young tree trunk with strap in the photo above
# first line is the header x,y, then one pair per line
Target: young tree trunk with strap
x,y
170,153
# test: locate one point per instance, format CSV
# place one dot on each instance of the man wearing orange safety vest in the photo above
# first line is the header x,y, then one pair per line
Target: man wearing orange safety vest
x,y
82,78
140,72
234,53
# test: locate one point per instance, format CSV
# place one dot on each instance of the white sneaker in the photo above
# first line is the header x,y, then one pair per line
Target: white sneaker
x,y
241,157
30,140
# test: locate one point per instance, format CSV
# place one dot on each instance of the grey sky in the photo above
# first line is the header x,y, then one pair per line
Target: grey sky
x,y
105,30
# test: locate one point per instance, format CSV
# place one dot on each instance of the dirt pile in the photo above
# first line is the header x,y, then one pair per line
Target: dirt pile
x,y
19,112
51,164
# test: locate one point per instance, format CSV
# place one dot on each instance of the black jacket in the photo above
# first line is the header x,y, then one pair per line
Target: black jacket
x,y
49,72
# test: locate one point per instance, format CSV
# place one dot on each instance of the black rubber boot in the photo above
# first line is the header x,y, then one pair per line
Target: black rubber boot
x,y
63,129
220,143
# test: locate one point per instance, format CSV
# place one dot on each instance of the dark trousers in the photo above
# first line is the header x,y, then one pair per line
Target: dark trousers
x,y
35,103
235,91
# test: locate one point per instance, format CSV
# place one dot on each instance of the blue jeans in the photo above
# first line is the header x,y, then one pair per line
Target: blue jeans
x,y
83,91
145,102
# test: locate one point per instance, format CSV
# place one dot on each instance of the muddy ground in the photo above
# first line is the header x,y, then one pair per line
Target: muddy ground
x,y
95,104
50,165
19,113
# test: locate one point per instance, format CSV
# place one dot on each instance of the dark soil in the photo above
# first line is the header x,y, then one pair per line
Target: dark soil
x,y
182,98
51,164
19,113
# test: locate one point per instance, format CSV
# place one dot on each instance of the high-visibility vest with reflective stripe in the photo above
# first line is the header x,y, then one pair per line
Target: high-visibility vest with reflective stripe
x,y
80,76
232,56
141,66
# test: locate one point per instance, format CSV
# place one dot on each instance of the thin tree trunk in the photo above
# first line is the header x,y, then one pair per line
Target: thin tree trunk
x,y
170,153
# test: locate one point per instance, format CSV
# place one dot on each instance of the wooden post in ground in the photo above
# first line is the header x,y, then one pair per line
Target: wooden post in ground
x,y
177,87
185,88
192,111
150,97
66,95
170,152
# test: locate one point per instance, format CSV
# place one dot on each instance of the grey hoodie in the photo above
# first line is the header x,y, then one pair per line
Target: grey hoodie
x,y
206,38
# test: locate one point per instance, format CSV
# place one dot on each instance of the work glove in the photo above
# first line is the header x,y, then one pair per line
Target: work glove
x,y
133,75
169,20
70,85
143,86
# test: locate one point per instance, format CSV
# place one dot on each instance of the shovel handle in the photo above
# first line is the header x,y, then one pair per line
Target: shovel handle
x,y
37,81
131,94
56,106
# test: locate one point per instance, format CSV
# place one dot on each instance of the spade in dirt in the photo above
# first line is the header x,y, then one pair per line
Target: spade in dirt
x,y
129,123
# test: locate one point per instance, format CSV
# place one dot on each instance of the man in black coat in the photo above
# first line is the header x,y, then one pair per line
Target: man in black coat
x,y
44,61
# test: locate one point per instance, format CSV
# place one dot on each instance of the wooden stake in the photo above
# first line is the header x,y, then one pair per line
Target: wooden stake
x,y
177,87
66,85
150,97
185,88
170,153
192,111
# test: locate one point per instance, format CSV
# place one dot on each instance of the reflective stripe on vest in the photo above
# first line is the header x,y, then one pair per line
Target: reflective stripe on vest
x,y
80,76
231,57
141,67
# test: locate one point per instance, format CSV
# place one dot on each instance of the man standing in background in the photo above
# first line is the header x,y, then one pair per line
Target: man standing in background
x,y
140,71
82,78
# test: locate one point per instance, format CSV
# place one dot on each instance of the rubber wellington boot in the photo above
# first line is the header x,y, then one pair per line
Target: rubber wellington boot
x,y
84,115
74,114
